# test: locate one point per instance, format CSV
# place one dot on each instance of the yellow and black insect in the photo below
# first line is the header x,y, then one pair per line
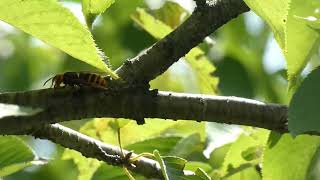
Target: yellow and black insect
x,y
80,79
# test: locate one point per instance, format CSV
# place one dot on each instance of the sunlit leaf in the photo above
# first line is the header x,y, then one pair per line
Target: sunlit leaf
x,y
286,158
313,22
303,115
218,155
5,171
121,122
14,155
301,39
204,70
19,166
246,152
92,8
247,173
86,166
167,82
295,38
49,21
194,165
171,14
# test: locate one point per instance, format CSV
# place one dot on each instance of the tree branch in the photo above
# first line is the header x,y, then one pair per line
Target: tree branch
x,y
92,148
67,104
207,18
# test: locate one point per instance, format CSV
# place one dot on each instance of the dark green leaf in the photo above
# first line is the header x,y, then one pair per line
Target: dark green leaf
x,y
303,115
171,166
202,174
234,80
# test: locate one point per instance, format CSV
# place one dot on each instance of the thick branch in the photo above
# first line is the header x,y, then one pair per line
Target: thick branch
x,y
92,148
204,20
67,104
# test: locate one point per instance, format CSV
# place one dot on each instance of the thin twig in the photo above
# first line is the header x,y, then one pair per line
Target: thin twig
x,y
92,148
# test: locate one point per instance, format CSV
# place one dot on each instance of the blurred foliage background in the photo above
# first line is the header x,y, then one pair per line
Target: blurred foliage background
x,y
248,64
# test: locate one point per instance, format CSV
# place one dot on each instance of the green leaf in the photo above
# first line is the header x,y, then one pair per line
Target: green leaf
x,y
14,168
163,144
153,26
194,165
167,81
218,155
14,155
171,166
301,39
313,22
49,21
276,17
120,123
92,8
15,110
313,172
295,38
202,174
186,146
248,173
240,85
19,166
245,152
286,158
204,70
162,165
86,166
303,113
171,13
105,172
196,57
